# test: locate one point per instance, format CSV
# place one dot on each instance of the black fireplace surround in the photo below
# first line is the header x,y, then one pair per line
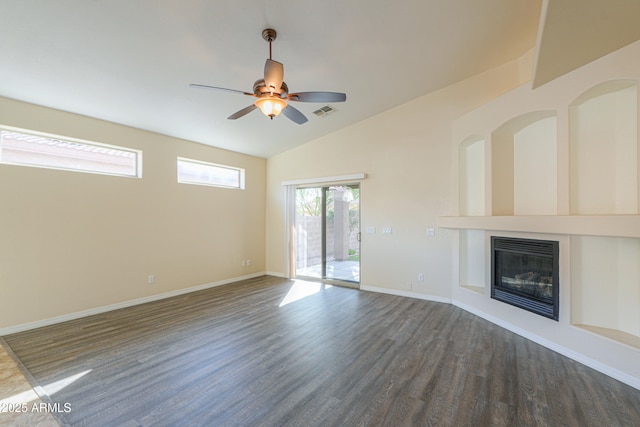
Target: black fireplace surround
x,y
524,273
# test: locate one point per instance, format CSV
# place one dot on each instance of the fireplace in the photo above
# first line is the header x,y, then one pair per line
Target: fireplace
x,y
524,273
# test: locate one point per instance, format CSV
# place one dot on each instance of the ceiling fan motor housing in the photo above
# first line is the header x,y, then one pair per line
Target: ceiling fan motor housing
x,y
260,89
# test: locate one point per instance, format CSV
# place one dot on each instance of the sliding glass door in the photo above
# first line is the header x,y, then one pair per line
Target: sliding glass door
x,y
328,233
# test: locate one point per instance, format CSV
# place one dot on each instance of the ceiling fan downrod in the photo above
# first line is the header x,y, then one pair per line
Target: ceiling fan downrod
x,y
269,35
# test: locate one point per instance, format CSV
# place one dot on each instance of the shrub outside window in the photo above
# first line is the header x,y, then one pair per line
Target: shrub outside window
x,y
203,173
27,148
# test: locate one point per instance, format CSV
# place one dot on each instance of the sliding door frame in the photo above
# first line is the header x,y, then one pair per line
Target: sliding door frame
x,y
290,188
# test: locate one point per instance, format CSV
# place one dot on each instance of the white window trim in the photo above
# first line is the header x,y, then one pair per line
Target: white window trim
x,y
241,173
138,153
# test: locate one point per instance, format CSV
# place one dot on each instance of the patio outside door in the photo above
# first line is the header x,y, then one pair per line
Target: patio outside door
x,y
328,233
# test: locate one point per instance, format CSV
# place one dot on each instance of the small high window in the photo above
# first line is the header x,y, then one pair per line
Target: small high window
x,y
27,148
203,173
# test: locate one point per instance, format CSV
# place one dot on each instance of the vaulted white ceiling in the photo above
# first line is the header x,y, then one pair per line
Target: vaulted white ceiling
x,y
131,62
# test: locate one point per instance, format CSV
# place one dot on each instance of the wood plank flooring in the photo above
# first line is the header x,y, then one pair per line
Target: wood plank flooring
x,y
232,356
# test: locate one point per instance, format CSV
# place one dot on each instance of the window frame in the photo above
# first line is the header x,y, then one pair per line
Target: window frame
x,y
66,139
182,180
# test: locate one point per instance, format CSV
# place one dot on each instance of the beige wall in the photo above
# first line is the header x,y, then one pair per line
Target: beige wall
x,y
71,242
405,153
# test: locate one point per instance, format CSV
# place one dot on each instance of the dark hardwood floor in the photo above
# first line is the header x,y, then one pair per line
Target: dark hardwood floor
x,y
232,356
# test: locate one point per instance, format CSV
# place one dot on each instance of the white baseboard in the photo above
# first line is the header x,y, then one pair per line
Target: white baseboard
x,y
401,293
578,357
124,304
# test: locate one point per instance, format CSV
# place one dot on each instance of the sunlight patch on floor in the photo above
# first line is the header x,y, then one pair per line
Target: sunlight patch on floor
x,y
30,395
301,289
56,386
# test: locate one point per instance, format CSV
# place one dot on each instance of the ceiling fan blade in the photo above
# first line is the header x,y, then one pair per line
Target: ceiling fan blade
x,y
196,86
242,112
294,115
273,74
317,97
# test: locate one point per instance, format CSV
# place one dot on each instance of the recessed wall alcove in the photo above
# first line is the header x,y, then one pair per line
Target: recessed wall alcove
x,y
471,176
604,150
524,166
472,260
605,297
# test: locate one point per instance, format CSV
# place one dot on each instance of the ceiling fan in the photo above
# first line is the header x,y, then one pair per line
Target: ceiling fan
x,y
273,93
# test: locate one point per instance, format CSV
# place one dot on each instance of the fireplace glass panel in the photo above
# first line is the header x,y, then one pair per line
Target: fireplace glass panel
x,y
524,273
530,275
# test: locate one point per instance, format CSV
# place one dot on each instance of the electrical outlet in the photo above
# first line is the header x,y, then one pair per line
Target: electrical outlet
x,y
431,232
371,230
151,279
420,277
248,262
386,230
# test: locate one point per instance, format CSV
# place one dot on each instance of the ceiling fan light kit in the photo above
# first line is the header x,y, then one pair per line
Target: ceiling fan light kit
x,y
273,93
271,106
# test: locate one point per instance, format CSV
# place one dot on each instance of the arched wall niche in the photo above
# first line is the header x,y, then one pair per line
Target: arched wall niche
x,y
603,147
524,168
